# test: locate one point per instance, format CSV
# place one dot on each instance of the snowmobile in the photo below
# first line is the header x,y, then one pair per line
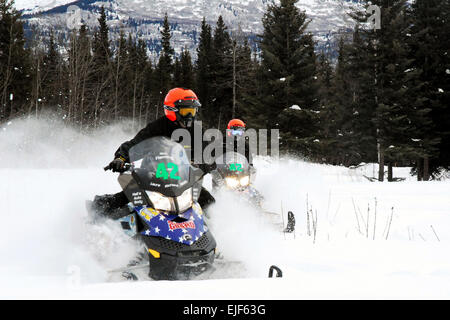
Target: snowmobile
x,y
234,173
163,188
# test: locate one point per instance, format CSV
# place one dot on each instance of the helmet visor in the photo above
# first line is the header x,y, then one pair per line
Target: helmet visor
x,y
185,111
237,131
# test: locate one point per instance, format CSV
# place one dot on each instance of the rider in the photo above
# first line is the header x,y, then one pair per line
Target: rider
x,y
180,109
236,130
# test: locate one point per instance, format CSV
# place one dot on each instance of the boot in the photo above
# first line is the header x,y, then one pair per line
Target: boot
x,y
111,205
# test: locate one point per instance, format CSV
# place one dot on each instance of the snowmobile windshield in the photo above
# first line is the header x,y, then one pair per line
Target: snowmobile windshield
x,y
232,164
161,165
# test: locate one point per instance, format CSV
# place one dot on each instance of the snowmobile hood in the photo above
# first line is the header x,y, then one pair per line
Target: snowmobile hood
x,y
185,228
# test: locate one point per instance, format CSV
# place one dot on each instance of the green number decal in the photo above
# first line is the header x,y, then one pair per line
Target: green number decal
x,y
161,171
174,170
235,167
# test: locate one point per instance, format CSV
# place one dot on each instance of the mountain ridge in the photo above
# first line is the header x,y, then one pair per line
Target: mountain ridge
x,y
144,18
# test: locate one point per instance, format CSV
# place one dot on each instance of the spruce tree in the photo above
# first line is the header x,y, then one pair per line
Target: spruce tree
x,y
250,90
177,79
355,97
102,68
51,84
15,80
101,44
429,42
121,75
386,60
80,79
187,69
203,71
289,78
328,112
245,79
222,77
164,70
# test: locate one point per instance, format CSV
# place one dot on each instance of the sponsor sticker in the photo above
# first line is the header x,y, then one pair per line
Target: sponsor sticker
x,y
148,213
197,208
181,225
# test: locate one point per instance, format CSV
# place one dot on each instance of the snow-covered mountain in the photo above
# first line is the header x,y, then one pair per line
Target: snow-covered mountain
x,y
144,17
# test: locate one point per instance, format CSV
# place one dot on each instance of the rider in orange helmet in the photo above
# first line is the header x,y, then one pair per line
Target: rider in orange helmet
x,y
180,109
236,129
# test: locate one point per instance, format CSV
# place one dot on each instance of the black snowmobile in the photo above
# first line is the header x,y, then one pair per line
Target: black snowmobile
x,y
233,172
163,188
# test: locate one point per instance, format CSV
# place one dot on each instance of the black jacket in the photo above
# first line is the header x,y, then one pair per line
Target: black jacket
x,y
234,147
165,127
160,127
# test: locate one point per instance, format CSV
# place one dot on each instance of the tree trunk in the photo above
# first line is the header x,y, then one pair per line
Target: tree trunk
x,y
426,169
116,95
419,170
134,101
390,172
380,163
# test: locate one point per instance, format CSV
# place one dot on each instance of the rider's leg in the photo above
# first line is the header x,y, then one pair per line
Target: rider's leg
x,y
205,199
110,204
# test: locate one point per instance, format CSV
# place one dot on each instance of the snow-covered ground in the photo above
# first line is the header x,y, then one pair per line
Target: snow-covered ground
x,y
372,241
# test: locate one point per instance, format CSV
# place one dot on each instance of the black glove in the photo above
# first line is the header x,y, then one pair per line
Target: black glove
x,y
207,168
117,165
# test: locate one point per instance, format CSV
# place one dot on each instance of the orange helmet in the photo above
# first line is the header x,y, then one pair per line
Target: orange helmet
x,y
236,123
181,104
236,127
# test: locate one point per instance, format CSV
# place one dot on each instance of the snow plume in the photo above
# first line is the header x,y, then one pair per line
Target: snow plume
x,y
254,238
243,237
50,143
49,205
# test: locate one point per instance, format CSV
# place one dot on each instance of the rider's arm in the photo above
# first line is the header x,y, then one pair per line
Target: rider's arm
x,y
153,129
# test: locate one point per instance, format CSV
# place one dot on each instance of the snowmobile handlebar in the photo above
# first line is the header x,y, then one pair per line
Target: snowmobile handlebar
x,y
126,167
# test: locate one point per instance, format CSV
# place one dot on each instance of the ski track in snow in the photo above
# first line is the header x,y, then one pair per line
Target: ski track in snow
x,y
47,249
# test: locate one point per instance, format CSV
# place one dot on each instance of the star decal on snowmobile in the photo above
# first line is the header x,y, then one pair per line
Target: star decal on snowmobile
x,y
167,226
